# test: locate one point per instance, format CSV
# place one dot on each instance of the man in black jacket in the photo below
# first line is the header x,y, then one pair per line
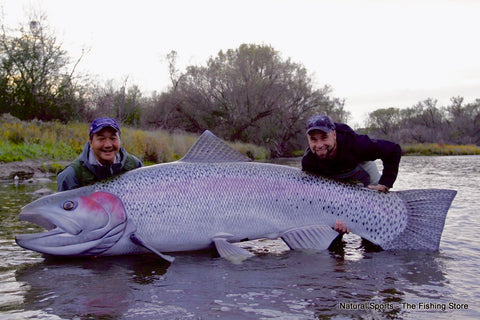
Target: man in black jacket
x,y
338,152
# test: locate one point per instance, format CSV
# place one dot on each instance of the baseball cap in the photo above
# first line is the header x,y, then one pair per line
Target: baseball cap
x,y
320,122
100,123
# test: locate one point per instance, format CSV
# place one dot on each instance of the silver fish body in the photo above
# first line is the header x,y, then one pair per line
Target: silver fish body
x,y
215,197
182,206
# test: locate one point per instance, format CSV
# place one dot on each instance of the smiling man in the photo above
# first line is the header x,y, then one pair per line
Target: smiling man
x,y
101,158
336,151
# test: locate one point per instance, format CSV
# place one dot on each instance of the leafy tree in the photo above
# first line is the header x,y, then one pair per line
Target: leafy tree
x,y
36,76
386,121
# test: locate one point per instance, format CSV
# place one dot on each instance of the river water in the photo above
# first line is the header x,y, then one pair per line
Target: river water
x,y
349,282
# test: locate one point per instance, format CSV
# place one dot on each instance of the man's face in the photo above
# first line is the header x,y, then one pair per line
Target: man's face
x,y
105,145
323,144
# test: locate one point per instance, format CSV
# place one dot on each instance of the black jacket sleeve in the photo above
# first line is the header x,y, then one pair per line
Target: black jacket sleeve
x,y
388,152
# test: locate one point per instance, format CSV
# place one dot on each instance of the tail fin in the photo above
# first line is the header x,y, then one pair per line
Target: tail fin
x,y
427,210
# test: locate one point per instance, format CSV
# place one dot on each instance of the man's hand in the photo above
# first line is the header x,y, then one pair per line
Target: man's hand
x,y
341,227
378,187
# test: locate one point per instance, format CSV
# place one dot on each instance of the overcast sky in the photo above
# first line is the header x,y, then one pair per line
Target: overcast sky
x,y
373,53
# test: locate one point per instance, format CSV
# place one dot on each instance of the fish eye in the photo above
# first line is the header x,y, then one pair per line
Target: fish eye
x,y
69,205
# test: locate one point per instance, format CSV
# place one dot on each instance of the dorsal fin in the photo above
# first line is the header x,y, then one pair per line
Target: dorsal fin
x,y
210,148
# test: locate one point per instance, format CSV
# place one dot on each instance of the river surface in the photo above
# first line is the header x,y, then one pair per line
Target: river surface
x,y
349,282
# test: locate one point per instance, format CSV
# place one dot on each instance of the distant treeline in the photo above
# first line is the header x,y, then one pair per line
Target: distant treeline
x,y
57,142
457,123
249,94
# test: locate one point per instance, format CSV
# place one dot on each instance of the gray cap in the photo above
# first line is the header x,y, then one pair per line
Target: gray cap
x,y
320,122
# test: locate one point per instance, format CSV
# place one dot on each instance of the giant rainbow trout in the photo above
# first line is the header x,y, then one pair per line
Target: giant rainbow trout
x,y
215,196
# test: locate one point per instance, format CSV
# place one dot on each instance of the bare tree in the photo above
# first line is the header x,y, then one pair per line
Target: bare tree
x,y
249,94
464,121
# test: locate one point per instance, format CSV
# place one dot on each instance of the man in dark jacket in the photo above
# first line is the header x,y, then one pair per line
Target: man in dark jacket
x,y
101,158
338,152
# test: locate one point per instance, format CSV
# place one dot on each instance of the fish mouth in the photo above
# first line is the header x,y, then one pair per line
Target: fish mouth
x,y
37,219
55,239
51,223
24,239
40,221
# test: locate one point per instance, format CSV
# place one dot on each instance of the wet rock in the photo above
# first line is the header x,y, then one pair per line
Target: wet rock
x,y
22,174
27,170
43,192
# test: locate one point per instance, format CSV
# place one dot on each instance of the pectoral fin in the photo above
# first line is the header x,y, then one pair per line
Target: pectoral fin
x,y
138,241
318,237
230,251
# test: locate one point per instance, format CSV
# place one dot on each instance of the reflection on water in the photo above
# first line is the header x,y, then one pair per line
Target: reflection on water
x,y
87,287
347,282
292,285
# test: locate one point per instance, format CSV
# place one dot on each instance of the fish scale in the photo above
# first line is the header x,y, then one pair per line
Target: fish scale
x,y
233,194
215,196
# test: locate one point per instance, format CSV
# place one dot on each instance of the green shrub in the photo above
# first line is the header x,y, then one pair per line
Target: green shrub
x,y
20,140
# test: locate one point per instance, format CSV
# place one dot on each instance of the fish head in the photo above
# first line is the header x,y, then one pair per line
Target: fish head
x,y
79,222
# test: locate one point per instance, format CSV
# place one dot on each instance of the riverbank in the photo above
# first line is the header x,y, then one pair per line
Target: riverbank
x,y
30,169
23,140
42,149
440,149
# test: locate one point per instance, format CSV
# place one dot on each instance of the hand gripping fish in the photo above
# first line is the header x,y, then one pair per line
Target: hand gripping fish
x,y
215,196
